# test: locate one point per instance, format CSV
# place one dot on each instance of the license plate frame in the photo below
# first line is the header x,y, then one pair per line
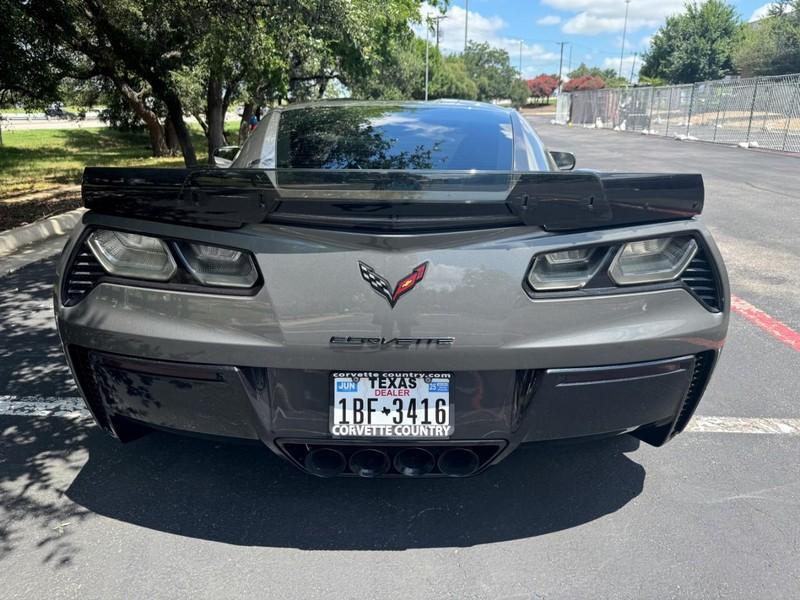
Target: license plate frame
x,y
425,408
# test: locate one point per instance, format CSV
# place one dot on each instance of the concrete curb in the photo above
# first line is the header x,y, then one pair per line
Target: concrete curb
x,y
14,239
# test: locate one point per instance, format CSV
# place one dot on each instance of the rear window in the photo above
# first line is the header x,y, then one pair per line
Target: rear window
x,y
395,137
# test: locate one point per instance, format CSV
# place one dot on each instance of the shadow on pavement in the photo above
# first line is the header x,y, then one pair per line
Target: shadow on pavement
x,y
31,360
242,494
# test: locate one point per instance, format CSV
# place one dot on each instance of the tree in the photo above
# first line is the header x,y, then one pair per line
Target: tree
x,y
771,46
582,70
695,45
400,74
543,86
609,76
585,82
519,93
490,69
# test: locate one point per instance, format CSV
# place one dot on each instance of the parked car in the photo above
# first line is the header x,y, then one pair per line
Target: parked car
x,y
401,288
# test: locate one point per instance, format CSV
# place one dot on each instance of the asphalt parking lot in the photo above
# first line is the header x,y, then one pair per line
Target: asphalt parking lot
x,y
711,515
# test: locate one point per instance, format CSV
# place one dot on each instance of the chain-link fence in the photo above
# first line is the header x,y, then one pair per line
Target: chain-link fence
x,y
760,111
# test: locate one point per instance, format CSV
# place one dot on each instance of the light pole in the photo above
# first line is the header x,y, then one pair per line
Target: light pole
x,y
427,45
520,59
624,31
427,30
466,26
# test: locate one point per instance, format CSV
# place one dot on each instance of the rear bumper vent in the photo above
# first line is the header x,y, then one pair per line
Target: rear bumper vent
x,y
703,363
702,280
82,276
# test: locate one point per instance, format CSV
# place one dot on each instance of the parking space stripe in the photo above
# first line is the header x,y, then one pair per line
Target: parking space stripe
x,y
758,317
74,407
703,424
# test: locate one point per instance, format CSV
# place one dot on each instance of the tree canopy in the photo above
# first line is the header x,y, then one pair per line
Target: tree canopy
x,y
695,45
771,46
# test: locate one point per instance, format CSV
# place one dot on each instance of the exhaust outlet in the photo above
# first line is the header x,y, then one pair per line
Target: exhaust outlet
x,y
414,462
458,462
325,462
369,462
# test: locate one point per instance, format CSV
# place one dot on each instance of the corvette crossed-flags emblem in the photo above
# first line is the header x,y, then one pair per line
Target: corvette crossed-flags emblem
x,y
381,286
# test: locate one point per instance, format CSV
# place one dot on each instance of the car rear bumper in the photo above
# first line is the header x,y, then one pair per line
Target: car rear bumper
x,y
526,368
494,411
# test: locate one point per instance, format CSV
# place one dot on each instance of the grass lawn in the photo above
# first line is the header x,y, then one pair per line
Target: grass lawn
x,y
38,159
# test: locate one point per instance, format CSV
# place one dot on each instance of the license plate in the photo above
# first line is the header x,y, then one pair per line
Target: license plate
x,y
402,404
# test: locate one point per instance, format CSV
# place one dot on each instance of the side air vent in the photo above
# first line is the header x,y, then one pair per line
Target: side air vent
x,y
699,276
702,368
81,277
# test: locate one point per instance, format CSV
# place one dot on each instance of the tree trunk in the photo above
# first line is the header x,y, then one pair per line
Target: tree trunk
x,y
214,117
175,112
226,102
173,145
140,109
244,125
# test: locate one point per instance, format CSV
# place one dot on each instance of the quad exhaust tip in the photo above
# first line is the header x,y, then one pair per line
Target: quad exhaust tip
x,y
414,462
458,462
370,462
325,462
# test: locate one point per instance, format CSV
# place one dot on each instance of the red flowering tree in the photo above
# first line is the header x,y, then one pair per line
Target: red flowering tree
x,y
586,82
543,86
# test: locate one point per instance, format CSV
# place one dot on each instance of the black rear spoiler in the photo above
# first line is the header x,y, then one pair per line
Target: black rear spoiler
x,y
230,198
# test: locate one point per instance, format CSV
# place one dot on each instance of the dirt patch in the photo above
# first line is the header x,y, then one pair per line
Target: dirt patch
x,y
22,209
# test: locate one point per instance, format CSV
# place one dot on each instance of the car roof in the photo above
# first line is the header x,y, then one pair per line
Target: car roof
x,y
450,103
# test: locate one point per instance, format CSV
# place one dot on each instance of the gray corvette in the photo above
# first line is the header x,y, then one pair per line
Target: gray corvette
x,y
386,289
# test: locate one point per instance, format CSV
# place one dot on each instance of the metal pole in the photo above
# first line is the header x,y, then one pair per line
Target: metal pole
x,y
427,27
560,65
669,109
520,59
716,121
792,105
752,108
466,25
624,31
691,104
633,66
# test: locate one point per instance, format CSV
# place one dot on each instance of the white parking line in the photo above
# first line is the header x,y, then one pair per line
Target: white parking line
x,y
73,406
705,424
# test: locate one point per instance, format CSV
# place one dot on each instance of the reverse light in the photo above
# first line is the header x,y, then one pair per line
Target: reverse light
x,y
565,270
132,255
652,261
216,266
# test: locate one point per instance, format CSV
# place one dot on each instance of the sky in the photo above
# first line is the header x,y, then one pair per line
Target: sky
x,y
591,28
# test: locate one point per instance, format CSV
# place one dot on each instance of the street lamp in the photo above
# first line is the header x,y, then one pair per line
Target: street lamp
x,y
624,31
427,31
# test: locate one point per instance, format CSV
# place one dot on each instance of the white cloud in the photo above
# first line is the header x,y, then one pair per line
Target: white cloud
x,y
608,16
549,20
627,63
645,42
762,12
481,29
